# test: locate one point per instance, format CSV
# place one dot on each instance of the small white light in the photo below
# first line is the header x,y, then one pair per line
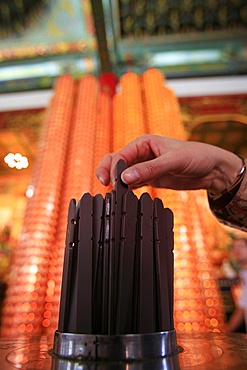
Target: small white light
x,y
16,161
30,191
24,164
18,165
11,164
9,157
18,157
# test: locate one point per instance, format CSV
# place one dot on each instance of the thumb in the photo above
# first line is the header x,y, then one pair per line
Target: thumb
x,y
143,173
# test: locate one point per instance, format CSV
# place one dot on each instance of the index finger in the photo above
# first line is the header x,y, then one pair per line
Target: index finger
x,y
136,151
104,168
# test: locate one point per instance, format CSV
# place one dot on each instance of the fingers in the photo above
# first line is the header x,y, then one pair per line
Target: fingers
x,y
107,167
136,151
141,155
103,170
151,172
148,157
142,173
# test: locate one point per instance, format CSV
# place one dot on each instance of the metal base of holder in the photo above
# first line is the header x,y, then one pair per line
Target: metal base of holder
x,y
202,351
112,348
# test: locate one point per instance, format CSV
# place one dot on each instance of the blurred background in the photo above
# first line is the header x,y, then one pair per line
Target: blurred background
x,y
201,50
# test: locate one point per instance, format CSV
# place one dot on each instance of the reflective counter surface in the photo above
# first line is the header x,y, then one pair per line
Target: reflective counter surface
x,y
211,351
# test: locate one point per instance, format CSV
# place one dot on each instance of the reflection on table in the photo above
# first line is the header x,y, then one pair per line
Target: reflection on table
x,y
211,351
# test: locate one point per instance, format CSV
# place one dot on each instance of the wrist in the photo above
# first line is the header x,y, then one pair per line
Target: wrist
x,y
228,174
223,198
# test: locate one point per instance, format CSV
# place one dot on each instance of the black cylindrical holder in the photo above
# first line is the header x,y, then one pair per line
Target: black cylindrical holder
x,y
116,302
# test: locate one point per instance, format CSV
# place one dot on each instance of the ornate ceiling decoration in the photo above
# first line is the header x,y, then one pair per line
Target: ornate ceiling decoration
x,y
17,15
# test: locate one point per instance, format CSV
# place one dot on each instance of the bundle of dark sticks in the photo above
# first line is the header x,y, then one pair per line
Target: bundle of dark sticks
x,y
118,265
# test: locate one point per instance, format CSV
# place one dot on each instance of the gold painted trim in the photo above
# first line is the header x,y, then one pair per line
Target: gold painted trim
x,y
191,123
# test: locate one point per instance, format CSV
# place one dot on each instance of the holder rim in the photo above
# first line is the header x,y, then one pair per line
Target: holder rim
x,y
123,347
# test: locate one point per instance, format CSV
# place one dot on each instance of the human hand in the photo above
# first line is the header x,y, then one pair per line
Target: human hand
x,y
168,163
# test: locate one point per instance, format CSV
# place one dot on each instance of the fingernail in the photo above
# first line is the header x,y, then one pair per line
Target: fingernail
x,y
101,180
130,176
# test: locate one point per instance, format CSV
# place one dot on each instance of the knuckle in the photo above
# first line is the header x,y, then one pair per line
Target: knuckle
x,y
150,169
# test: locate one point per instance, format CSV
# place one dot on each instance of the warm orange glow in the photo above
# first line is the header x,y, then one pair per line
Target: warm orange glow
x,y
46,323
145,104
82,124
31,262
102,142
